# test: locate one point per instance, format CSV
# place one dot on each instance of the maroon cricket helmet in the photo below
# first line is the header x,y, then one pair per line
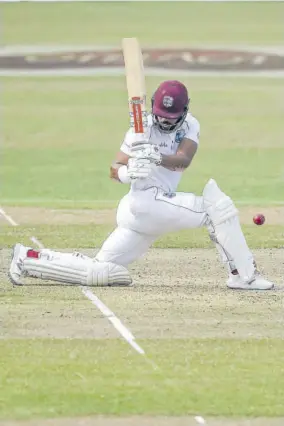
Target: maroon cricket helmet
x,y
170,102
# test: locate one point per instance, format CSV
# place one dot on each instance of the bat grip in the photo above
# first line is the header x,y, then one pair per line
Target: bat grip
x,y
140,138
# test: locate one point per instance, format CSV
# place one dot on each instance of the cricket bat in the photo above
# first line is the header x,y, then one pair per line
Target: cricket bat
x,y
135,81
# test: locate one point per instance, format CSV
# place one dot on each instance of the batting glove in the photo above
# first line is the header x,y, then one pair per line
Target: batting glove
x,y
139,168
147,151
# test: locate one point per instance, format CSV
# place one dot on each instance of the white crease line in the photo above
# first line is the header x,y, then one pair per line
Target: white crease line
x,y
118,325
200,420
126,334
37,242
8,218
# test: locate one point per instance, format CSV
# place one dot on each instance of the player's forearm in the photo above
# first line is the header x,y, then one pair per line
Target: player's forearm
x,y
177,162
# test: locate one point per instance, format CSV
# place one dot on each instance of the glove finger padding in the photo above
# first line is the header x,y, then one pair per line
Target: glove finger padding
x,y
146,150
139,168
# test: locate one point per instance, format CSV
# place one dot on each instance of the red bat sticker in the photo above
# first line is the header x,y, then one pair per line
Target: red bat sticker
x,y
137,114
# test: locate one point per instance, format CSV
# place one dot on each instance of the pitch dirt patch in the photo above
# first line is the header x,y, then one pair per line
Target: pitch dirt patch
x,y
176,294
147,421
44,216
183,294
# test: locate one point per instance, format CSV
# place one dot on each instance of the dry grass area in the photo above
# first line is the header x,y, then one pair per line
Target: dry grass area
x,y
38,215
177,293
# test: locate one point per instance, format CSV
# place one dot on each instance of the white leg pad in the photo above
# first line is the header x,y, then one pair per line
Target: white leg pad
x,y
224,255
223,216
75,268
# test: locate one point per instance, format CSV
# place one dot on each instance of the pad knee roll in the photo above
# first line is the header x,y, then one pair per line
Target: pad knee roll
x,y
106,273
217,205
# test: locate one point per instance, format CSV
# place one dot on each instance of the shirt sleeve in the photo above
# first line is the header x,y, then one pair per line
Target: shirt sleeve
x,y
126,144
193,130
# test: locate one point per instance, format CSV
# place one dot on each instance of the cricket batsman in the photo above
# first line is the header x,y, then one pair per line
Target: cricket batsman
x,y
153,167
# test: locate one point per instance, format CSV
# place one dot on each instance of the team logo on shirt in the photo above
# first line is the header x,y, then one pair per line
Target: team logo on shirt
x,y
179,136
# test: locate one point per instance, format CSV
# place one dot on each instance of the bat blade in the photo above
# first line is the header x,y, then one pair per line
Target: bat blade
x,y
135,81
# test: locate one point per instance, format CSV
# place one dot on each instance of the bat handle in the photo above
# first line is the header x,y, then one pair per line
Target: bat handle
x,y
141,137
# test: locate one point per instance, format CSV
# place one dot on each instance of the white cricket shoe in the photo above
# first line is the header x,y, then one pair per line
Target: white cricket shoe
x,y
258,283
16,268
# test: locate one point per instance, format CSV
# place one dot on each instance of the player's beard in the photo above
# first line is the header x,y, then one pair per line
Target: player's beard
x,y
167,125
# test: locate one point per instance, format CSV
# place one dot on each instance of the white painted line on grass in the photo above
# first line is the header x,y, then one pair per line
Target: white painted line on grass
x,y
8,218
37,242
128,336
200,420
13,223
118,325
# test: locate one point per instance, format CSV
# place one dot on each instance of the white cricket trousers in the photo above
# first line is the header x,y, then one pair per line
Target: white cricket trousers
x,y
143,216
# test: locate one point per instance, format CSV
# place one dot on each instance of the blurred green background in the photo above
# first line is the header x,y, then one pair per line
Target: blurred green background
x,y
61,134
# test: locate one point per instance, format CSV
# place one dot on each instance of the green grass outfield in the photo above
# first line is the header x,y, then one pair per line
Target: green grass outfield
x,y
80,377
61,135
154,23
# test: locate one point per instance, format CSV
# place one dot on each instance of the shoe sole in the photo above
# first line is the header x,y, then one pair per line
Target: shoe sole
x,y
9,273
251,289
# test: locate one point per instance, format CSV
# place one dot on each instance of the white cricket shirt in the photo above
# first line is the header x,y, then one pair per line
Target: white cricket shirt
x,y
168,143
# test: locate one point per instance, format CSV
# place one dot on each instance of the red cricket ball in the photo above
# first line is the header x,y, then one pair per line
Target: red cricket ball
x,y
259,219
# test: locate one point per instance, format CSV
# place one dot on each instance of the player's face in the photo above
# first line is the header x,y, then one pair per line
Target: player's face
x,y
167,120
167,124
